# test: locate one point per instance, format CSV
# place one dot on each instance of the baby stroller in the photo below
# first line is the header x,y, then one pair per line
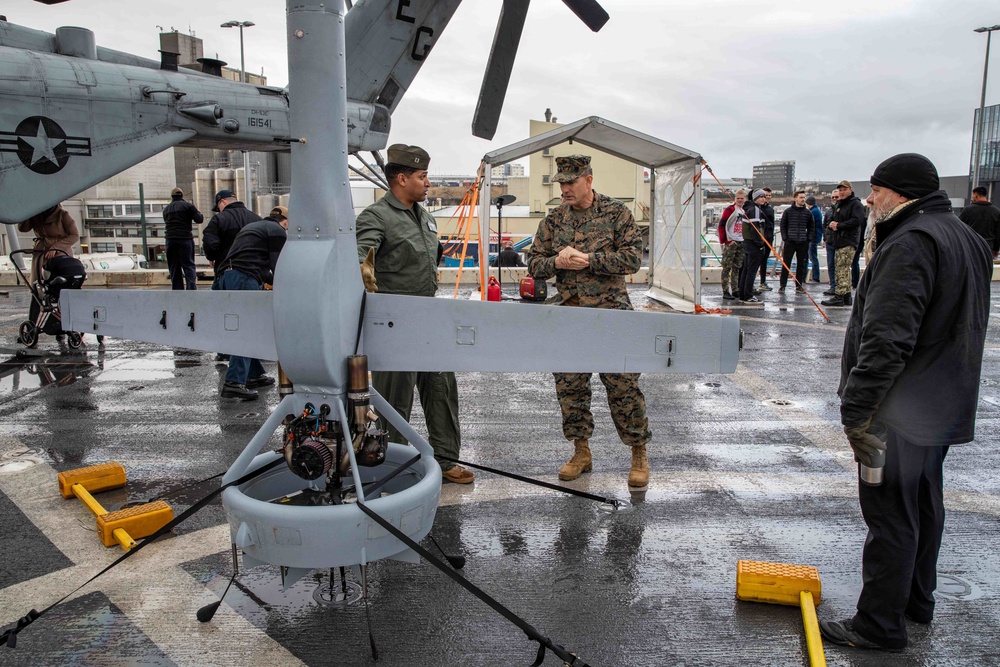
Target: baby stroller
x,y
58,273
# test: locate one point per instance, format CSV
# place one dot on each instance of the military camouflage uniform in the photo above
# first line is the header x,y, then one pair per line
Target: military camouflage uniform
x,y
843,259
608,233
732,262
406,256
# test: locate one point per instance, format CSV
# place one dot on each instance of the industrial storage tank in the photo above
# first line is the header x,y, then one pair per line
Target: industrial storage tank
x,y
204,191
240,188
265,203
283,169
225,179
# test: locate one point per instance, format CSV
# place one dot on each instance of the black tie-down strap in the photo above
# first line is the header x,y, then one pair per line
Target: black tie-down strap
x,y
533,634
9,636
614,502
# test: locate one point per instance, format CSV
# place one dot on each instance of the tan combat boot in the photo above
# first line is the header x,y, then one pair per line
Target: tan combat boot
x,y
639,473
579,464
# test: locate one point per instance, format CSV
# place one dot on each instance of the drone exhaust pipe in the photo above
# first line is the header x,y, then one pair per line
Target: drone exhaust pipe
x,y
285,387
357,390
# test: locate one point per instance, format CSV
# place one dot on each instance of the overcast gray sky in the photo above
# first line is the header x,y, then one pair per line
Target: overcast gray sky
x,y
835,85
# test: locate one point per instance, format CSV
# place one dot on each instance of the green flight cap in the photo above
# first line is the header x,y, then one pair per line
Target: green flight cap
x,y
571,168
414,157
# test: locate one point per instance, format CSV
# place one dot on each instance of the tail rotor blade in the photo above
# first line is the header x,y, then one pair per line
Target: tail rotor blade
x,y
590,12
498,68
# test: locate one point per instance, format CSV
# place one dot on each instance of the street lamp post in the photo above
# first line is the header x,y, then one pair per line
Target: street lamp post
x,y
982,105
243,79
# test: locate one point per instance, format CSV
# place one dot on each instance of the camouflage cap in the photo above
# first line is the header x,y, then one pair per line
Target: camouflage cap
x,y
414,157
571,168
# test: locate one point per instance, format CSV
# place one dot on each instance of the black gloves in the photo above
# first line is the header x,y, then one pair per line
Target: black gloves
x,y
867,447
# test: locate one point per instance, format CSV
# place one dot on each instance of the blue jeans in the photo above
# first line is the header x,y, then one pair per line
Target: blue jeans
x,y
180,261
814,261
831,263
240,368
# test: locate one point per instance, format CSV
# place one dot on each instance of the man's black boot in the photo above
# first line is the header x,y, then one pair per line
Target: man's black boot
x,y
835,300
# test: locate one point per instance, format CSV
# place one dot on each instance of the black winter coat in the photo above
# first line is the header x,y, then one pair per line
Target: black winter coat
x,y
798,225
755,225
913,351
984,218
178,217
221,230
850,217
768,228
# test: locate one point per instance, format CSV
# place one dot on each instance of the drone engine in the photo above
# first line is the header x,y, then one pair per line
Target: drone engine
x,y
315,444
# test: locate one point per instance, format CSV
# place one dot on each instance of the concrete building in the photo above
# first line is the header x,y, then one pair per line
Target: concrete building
x,y
779,175
504,172
613,176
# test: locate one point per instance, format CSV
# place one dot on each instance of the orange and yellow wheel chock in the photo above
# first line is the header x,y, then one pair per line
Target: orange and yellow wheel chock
x,y
120,527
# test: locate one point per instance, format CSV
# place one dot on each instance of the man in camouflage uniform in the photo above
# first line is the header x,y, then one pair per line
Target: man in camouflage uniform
x,y
403,237
731,237
845,227
590,243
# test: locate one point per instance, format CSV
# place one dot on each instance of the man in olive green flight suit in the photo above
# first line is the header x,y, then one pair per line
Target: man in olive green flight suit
x,y
404,238
590,243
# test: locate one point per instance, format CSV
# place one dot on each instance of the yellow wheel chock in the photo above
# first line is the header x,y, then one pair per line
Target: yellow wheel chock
x,y
780,583
124,526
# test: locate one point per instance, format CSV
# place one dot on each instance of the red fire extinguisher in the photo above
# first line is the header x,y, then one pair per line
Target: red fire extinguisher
x,y
493,290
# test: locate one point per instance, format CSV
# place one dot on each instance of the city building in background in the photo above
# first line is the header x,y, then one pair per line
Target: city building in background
x,y
501,173
989,156
779,175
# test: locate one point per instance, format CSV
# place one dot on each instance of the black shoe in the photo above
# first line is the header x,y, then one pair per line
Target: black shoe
x,y
922,619
752,299
260,381
829,292
835,300
842,633
765,287
728,297
847,299
221,358
236,390
781,289
800,290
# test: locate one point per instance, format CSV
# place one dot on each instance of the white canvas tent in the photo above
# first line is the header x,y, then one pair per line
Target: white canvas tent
x,y
675,189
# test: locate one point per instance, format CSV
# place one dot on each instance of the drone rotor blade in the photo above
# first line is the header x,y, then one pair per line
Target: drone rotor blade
x,y
498,68
590,12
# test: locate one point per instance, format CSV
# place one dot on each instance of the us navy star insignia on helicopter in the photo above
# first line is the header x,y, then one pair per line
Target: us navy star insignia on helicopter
x,y
42,145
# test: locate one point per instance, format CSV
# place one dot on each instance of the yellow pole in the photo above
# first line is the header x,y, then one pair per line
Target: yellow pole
x,y
91,503
89,500
814,643
124,539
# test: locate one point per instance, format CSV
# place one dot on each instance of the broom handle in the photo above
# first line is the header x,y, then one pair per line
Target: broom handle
x,y
814,644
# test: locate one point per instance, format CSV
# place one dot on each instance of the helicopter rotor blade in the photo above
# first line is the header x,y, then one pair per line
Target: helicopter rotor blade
x,y
498,68
590,12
